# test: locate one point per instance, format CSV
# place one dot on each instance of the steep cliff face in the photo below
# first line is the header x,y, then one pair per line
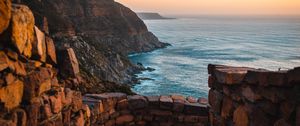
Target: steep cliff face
x,y
102,33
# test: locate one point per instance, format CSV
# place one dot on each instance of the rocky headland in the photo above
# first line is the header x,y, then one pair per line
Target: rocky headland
x,y
151,16
102,34
59,60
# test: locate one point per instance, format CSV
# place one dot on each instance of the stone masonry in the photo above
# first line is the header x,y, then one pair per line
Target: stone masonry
x,y
241,96
118,109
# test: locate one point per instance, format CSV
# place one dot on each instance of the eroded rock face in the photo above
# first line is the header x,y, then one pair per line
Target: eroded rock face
x,y
101,32
5,12
22,33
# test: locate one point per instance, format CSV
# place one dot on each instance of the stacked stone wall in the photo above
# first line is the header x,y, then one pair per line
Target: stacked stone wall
x,y
30,93
241,96
118,109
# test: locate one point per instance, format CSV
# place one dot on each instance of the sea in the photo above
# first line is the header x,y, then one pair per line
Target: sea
x,y
271,43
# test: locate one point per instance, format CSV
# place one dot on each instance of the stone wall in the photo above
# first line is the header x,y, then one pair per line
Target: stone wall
x,y
243,96
30,93
118,109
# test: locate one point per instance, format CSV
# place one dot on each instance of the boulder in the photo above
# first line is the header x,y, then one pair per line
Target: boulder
x,y
39,45
5,12
68,63
3,61
22,25
11,95
51,53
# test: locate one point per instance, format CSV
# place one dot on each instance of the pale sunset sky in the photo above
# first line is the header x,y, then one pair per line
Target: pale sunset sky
x,y
215,7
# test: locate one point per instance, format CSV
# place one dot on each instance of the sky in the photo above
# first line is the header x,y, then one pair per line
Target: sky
x,y
215,7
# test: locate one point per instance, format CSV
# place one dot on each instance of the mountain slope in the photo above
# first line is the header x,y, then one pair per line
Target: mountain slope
x,y
101,32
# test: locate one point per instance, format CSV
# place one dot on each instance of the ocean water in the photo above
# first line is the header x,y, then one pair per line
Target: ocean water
x,y
260,42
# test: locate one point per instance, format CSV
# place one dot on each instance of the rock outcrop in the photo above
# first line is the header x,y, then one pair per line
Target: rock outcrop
x,y
101,32
30,94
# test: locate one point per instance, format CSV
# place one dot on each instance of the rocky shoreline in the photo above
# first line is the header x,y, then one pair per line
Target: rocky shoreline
x,y
102,34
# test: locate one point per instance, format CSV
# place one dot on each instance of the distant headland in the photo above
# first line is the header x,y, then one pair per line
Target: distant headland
x,y
151,16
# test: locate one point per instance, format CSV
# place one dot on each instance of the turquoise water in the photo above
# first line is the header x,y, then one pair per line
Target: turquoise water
x,y
269,43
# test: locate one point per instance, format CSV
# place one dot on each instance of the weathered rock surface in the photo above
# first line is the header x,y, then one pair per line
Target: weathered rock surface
x,y
105,29
5,12
139,110
252,97
22,33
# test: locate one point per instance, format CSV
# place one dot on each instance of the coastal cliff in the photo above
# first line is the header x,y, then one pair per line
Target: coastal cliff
x,y
102,34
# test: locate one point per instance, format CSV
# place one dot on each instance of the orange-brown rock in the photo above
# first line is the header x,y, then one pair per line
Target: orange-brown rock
x,y
11,95
230,75
39,45
19,68
227,107
76,101
5,12
37,82
240,117
79,119
56,103
47,113
44,86
33,111
10,78
22,24
34,63
12,55
124,119
51,53
3,61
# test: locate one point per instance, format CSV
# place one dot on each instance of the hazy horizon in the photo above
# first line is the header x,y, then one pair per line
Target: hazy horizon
x,y
216,7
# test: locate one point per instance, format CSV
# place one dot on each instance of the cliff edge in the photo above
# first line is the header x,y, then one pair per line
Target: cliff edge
x,y
102,34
